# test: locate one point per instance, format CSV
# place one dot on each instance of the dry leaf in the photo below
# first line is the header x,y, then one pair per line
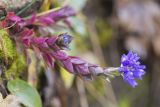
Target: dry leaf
x,y
9,101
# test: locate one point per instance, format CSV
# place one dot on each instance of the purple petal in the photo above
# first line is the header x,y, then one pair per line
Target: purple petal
x,y
130,68
131,82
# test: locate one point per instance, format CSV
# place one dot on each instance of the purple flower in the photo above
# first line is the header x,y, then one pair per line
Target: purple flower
x,y
130,68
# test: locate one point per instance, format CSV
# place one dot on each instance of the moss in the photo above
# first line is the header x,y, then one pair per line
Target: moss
x,y
12,63
16,68
7,49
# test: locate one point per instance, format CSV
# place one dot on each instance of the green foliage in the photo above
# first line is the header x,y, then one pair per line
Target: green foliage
x,y
26,94
16,67
7,50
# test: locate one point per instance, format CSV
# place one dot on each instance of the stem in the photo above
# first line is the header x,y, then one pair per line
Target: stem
x,y
44,13
110,69
49,11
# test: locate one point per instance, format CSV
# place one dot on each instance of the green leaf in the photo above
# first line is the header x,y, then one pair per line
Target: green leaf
x,y
26,94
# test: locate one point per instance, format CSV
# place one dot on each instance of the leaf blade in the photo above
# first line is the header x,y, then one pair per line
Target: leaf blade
x,y
26,94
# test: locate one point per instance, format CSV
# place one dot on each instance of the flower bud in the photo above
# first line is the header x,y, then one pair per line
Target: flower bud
x,y
63,41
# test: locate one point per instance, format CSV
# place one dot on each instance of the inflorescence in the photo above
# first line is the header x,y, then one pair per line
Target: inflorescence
x,y
130,68
52,48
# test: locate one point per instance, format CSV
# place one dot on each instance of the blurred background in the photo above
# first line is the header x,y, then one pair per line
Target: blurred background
x,y
103,30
